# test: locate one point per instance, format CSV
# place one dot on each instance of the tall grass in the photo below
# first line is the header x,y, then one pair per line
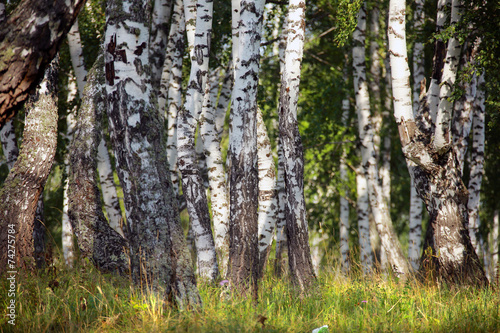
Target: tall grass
x,y
83,300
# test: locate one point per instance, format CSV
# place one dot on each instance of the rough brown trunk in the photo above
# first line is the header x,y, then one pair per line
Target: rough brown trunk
x,y
96,239
24,184
29,40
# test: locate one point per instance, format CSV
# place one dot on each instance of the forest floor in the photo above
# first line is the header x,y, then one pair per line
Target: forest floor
x,y
83,300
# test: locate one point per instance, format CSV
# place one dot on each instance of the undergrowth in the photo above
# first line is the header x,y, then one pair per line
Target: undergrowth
x,y
83,300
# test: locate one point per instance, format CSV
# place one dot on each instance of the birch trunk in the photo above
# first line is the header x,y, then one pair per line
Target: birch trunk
x,y
243,269
9,143
108,188
299,255
363,212
442,136
96,239
158,254
477,165
344,204
217,179
415,223
24,184
175,53
224,99
281,240
192,182
494,239
389,240
268,201
438,61
451,257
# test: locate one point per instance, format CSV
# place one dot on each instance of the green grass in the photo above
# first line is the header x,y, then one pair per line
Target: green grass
x,y
81,299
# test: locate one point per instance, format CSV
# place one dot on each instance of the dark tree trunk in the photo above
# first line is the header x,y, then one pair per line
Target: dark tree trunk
x,y
448,254
29,40
96,239
24,184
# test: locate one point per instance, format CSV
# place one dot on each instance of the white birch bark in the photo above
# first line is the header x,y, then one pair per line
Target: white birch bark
x,y
158,252
243,251
389,240
344,204
477,164
439,54
415,218
442,136
175,52
268,201
494,240
216,178
190,23
192,183
67,230
299,255
76,54
224,99
452,256
160,17
281,239
108,188
363,212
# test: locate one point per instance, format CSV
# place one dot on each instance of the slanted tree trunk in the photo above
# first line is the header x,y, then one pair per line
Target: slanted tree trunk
x,y
96,239
24,184
299,255
243,267
389,240
158,254
36,29
448,254
108,188
415,223
192,182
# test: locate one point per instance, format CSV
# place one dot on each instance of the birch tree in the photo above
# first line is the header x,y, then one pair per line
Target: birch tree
x,y
158,252
344,204
243,192
299,255
192,182
389,240
96,239
452,257
24,184
415,223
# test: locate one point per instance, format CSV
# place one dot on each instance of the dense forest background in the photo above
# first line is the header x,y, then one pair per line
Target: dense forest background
x,y
324,85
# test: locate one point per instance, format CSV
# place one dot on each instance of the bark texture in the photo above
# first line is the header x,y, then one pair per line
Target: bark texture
x,y
389,240
159,256
24,184
448,254
244,188
299,255
29,40
96,239
192,181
